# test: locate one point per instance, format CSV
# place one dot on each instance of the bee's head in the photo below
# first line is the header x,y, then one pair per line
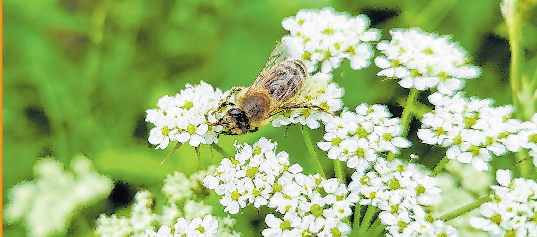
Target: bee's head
x,y
234,121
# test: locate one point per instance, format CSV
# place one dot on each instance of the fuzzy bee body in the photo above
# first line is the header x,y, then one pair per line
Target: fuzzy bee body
x,y
276,88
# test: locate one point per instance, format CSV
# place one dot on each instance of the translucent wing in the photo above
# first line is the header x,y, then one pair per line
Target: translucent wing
x,y
282,82
278,54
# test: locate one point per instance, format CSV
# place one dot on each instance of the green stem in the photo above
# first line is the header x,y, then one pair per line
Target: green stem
x,y
366,222
356,221
375,229
173,151
220,150
378,228
522,86
406,117
339,171
465,209
312,152
439,166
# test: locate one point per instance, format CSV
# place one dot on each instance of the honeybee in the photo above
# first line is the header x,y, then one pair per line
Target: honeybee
x,y
277,88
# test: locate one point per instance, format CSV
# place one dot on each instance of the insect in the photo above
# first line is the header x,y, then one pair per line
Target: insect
x,y
277,88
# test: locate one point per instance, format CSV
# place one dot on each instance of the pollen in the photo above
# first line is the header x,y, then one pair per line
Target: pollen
x,y
165,131
191,129
188,105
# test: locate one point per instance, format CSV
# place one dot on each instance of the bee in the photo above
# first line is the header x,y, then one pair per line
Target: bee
x,y
277,88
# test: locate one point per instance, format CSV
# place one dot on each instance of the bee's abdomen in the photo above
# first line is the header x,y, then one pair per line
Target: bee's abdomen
x,y
287,80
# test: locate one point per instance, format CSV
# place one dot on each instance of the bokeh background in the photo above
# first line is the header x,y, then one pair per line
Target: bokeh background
x,y
79,75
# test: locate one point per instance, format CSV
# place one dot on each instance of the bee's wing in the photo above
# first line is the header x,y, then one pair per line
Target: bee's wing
x,y
278,54
283,82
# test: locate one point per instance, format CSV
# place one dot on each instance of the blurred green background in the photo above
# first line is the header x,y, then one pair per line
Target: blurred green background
x,y
79,75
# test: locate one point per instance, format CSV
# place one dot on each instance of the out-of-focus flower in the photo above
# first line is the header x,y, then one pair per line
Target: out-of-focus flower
x,y
46,203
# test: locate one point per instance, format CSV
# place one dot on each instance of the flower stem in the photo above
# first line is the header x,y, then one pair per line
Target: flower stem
x,y
522,86
439,166
366,222
339,171
356,221
375,229
465,209
220,150
173,151
312,152
378,228
406,117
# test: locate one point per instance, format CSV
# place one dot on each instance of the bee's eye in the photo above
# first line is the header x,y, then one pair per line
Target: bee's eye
x,y
235,112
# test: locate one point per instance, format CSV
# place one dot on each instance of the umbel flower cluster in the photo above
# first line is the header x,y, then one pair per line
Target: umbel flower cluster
x,y
182,193
312,205
322,39
183,117
401,192
422,60
513,209
473,130
259,176
359,137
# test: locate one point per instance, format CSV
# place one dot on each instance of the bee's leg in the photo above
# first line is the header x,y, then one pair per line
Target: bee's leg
x,y
226,102
301,106
233,90
252,130
222,105
227,133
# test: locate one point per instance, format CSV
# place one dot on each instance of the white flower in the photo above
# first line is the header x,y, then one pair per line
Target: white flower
x,y
422,60
163,231
399,190
249,177
184,118
177,186
323,38
46,203
277,227
205,227
470,128
357,137
512,209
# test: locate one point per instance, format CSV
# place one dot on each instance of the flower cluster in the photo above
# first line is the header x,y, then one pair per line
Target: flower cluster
x,y
141,218
319,91
206,227
357,138
178,187
471,129
423,60
401,191
183,118
47,203
326,37
257,175
513,210
194,220
527,137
